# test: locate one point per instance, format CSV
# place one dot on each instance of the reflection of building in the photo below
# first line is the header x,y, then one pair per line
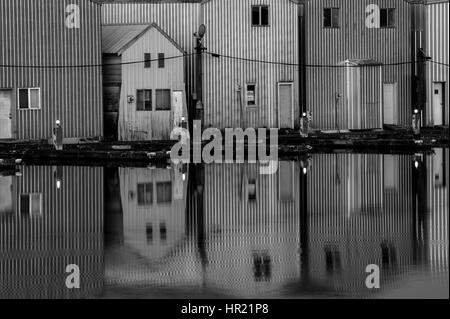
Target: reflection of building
x,y
56,220
149,96
252,228
359,213
437,200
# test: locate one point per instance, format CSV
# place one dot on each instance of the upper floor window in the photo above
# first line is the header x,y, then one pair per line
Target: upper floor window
x,y
144,100
161,60
147,60
251,95
260,16
387,18
30,99
31,205
145,194
331,18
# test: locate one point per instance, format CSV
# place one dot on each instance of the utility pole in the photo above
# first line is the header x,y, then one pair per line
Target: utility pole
x,y
199,49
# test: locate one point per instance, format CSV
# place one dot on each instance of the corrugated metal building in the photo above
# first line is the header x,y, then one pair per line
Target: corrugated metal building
x,y
148,96
36,87
238,90
437,47
340,30
54,219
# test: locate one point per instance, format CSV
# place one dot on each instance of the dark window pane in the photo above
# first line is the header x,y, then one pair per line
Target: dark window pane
x,y
164,193
335,17
391,18
163,232
161,62
327,18
265,15
147,59
23,98
255,16
149,233
148,100
140,100
383,18
145,194
25,205
163,100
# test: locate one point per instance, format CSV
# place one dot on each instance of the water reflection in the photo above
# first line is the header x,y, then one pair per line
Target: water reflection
x,y
227,231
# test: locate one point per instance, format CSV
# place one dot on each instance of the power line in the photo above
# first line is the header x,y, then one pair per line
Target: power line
x,y
89,65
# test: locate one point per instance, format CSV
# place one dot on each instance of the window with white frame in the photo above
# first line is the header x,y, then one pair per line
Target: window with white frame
x,y
31,205
29,98
331,18
250,95
387,18
260,16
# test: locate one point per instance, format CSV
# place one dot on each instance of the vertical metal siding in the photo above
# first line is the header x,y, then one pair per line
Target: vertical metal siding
x,y
354,41
178,20
230,32
437,43
33,32
36,250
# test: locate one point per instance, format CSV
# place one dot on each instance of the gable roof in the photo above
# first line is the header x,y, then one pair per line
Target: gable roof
x,y
117,38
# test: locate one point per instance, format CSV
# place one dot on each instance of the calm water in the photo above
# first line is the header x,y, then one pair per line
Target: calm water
x,y
221,231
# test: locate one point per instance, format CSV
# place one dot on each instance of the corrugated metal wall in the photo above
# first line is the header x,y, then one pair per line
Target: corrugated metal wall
x,y
357,203
230,32
325,46
437,44
36,250
178,20
33,32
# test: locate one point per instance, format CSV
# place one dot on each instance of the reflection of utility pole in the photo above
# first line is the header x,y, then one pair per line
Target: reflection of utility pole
x,y
419,205
199,107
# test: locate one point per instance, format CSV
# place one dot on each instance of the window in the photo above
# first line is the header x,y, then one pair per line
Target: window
x,y
163,100
161,60
145,194
332,260
31,205
163,232
164,192
251,95
260,16
388,255
144,100
149,233
387,18
30,99
147,60
331,18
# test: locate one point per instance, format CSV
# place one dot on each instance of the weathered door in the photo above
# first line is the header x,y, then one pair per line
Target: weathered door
x,y
5,114
390,103
285,105
438,103
111,100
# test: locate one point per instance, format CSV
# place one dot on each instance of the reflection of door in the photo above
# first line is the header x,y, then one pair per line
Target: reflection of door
x,y
439,168
390,103
6,206
177,97
286,181
438,103
285,105
5,114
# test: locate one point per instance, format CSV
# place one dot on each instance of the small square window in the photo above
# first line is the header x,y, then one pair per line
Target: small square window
x,y
387,18
144,100
164,193
161,60
251,95
29,98
147,60
331,17
260,16
163,102
145,194
31,205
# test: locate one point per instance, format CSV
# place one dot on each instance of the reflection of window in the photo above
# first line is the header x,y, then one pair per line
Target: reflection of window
x,y
260,16
144,100
145,194
251,94
262,266
331,18
252,189
164,192
31,205
149,233
163,232
163,102
29,99
147,59
332,260
387,18
388,255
